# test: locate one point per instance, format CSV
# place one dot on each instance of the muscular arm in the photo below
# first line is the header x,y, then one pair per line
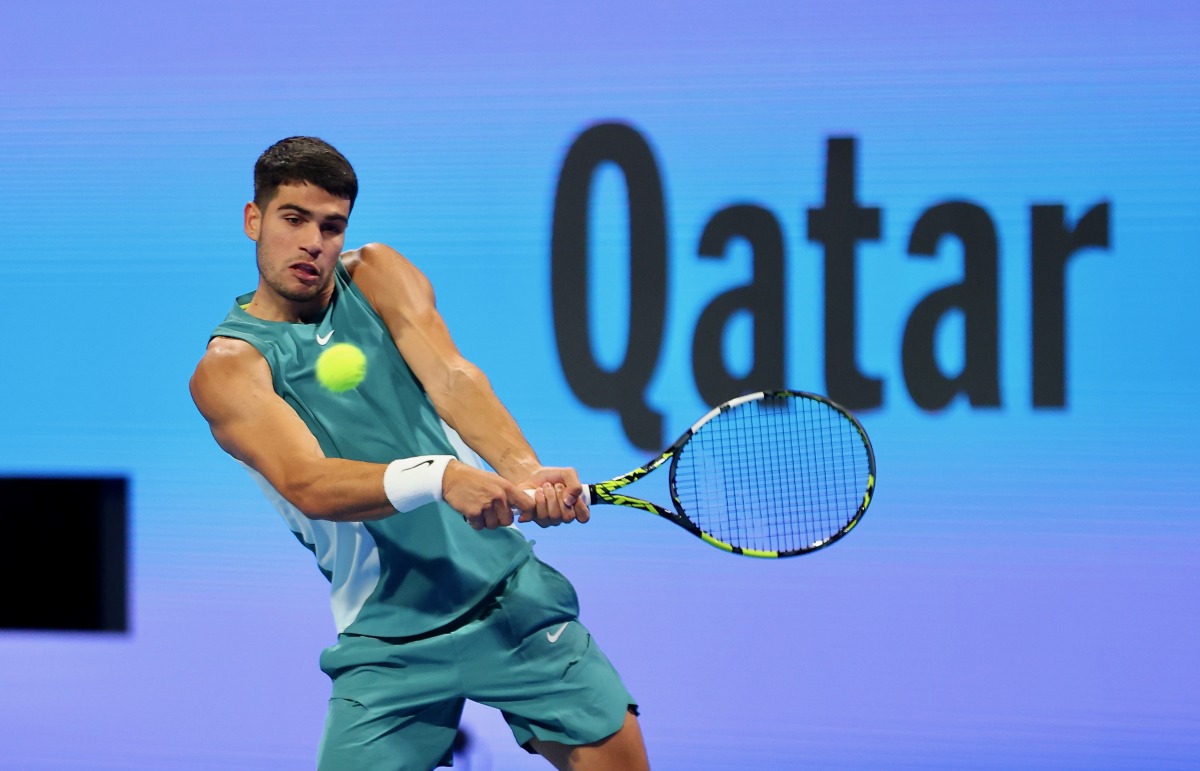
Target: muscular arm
x,y
232,389
460,392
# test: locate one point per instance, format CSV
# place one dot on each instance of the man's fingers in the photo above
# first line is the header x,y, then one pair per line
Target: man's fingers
x,y
562,511
551,504
493,514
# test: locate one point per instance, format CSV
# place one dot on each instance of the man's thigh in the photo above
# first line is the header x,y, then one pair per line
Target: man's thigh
x,y
356,739
393,706
534,661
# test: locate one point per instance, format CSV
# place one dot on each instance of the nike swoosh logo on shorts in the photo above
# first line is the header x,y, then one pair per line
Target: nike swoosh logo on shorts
x,y
325,339
557,633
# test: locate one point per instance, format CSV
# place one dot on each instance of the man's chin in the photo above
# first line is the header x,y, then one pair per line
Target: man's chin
x,y
295,293
305,295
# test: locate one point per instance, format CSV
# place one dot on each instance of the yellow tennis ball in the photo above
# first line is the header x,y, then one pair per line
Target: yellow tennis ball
x,y
341,367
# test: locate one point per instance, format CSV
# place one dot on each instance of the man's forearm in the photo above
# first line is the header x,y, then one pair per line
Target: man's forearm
x,y
472,409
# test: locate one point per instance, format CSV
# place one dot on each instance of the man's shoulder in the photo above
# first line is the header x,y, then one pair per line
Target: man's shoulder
x,y
224,347
227,361
228,353
388,280
374,255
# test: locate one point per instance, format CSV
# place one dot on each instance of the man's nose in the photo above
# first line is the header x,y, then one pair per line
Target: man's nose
x,y
311,241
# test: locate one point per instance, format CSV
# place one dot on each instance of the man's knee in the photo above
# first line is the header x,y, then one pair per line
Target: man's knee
x,y
624,750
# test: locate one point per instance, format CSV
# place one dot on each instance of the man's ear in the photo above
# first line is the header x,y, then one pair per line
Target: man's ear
x,y
252,220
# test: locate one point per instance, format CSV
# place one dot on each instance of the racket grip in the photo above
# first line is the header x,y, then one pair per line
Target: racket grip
x,y
587,495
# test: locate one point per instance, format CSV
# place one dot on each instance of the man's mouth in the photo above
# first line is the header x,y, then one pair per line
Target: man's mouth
x,y
305,270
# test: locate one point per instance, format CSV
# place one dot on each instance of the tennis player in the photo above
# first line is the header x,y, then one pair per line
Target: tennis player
x,y
436,598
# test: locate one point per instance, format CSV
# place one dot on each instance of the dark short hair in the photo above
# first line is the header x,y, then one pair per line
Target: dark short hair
x,y
303,159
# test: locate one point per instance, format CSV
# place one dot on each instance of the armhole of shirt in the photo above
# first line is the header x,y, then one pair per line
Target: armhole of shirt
x,y
352,286
265,349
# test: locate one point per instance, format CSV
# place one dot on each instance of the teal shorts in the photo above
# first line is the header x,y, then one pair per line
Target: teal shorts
x,y
396,704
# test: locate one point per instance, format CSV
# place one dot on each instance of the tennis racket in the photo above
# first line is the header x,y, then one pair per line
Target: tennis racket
x,y
770,474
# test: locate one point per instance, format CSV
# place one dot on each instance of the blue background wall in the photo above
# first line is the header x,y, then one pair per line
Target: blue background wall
x,y
1022,593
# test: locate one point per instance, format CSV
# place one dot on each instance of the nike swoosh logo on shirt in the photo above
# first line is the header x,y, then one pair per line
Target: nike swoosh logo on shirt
x,y
325,339
557,633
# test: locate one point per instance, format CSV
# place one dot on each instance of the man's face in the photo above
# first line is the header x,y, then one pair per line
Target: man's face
x,y
299,236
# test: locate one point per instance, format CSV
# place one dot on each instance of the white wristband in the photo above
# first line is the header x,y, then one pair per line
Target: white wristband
x,y
410,483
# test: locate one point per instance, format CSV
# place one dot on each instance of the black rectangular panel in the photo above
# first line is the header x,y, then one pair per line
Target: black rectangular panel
x,y
64,553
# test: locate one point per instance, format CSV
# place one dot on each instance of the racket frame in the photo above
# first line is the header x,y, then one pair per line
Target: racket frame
x,y
608,492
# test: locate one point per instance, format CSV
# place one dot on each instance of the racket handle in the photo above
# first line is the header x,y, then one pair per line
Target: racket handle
x,y
587,494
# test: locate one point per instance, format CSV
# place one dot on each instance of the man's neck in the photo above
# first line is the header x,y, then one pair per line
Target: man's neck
x,y
268,306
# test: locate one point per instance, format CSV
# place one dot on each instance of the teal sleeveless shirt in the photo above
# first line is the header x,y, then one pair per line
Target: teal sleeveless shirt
x,y
408,573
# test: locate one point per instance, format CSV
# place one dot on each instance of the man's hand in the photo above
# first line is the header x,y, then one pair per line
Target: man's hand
x,y
558,498
486,500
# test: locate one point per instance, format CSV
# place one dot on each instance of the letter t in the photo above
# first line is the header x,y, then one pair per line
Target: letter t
x,y
840,225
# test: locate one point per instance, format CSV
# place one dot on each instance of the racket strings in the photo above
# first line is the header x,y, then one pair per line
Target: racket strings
x,y
777,474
